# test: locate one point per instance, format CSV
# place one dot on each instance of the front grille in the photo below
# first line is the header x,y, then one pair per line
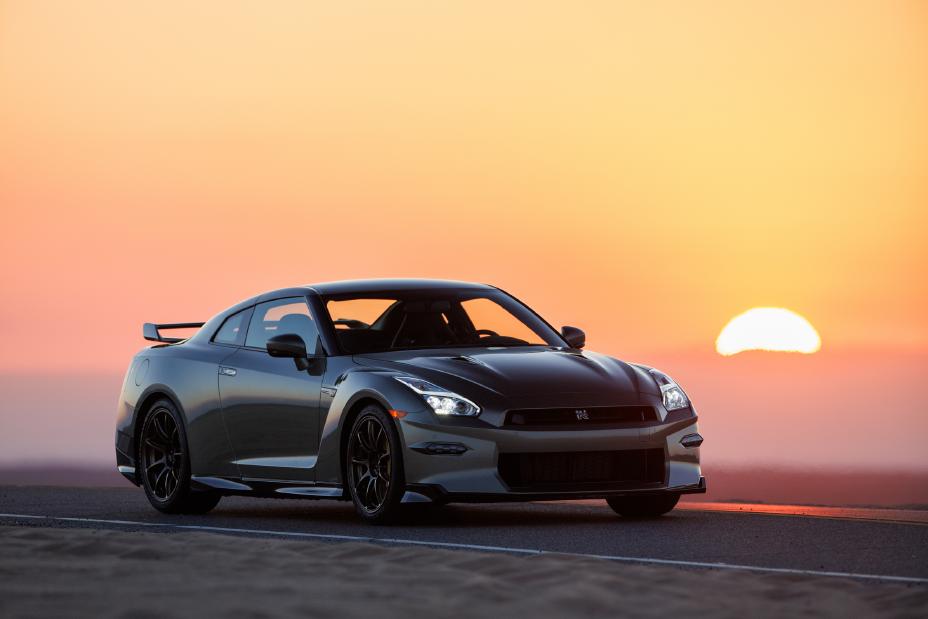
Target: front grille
x,y
582,469
578,418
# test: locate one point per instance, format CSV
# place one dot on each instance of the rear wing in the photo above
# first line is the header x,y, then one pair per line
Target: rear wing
x,y
151,331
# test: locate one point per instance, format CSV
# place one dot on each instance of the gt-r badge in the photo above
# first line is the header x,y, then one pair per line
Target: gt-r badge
x,y
582,415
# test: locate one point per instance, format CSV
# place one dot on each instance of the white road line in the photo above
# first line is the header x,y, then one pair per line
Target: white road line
x,y
478,547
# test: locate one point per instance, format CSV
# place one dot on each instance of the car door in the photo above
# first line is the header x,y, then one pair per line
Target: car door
x,y
271,408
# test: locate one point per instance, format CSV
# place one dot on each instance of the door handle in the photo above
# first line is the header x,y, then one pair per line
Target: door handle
x,y
227,371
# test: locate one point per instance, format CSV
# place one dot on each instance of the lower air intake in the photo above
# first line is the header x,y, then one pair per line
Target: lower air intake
x,y
582,470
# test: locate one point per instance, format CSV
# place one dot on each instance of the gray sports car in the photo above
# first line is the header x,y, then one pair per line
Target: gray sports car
x,y
397,392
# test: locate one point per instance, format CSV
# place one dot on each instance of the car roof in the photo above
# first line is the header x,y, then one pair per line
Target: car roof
x,y
385,285
350,286
355,286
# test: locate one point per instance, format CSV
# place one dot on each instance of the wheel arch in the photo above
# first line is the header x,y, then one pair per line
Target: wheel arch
x,y
151,395
352,410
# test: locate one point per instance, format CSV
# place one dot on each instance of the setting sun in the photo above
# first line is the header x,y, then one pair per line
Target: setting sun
x,y
768,328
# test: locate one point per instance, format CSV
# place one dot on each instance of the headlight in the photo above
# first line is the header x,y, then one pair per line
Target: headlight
x,y
671,392
442,401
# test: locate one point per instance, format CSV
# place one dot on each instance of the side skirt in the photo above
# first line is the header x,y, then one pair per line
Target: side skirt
x,y
415,493
269,488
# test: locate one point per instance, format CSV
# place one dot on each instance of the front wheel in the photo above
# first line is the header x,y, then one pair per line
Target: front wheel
x,y
643,506
374,467
164,464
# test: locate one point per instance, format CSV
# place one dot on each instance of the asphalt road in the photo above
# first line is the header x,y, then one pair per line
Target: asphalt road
x,y
747,538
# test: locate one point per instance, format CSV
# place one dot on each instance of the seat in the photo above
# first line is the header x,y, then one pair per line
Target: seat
x,y
424,329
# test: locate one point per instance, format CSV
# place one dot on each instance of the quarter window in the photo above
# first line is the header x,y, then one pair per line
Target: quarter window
x,y
232,330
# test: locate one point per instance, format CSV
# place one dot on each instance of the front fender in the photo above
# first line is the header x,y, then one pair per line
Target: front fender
x,y
354,387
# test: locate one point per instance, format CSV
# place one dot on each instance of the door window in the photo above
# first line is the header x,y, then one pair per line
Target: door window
x,y
282,316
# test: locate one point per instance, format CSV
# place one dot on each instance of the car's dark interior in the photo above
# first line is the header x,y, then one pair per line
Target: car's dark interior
x,y
417,324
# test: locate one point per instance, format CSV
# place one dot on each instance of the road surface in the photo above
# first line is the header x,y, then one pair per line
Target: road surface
x,y
853,542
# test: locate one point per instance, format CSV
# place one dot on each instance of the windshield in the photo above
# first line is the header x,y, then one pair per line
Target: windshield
x,y
377,322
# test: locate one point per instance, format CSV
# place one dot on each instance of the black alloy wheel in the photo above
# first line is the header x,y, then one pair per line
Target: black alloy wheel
x,y
374,466
162,454
164,464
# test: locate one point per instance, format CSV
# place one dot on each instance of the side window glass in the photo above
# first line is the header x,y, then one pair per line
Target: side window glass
x,y
278,317
232,330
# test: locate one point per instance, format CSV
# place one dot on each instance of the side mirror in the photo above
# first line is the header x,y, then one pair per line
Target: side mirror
x,y
287,345
575,337
292,345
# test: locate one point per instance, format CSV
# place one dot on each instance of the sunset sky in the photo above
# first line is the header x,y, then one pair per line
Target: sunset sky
x,y
645,171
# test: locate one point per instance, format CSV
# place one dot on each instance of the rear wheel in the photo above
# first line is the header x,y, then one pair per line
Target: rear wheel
x,y
164,464
643,506
374,466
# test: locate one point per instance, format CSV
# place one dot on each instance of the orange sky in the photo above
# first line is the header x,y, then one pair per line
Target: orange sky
x,y
643,170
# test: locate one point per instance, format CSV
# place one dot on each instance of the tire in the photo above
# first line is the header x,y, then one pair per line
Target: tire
x,y
374,467
163,461
649,506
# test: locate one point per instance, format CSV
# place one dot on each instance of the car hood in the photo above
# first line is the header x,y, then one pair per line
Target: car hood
x,y
518,371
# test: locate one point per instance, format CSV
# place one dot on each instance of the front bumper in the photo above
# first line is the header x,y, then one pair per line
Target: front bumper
x,y
435,473
425,493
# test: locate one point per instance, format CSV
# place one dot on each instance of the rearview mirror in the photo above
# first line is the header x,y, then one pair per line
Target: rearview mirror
x,y
575,337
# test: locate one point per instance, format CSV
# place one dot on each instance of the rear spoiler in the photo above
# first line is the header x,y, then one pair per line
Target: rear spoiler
x,y
151,331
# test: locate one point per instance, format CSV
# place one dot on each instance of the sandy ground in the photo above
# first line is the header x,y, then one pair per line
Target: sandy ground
x,y
52,572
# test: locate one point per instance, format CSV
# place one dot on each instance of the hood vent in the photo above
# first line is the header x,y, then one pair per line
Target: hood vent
x,y
466,359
